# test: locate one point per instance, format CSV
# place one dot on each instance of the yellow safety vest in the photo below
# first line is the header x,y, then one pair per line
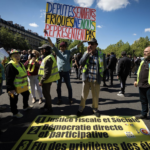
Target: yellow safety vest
x,y
20,79
138,73
33,67
101,65
54,73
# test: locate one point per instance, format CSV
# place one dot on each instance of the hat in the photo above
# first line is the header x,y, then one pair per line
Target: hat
x,y
63,44
123,53
93,40
13,51
44,46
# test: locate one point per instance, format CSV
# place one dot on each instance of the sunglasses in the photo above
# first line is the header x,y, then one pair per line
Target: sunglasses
x,y
91,43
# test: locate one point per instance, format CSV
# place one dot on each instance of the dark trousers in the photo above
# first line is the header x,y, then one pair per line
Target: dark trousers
x,y
79,72
107,74
104,77
46,93
123,83
111,75
145,100
66,77
130,73
13,102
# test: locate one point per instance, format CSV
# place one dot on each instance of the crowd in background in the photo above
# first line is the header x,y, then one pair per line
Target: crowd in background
x,y
32,59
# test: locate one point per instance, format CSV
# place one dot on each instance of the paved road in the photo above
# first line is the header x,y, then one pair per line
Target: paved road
x,y
109,104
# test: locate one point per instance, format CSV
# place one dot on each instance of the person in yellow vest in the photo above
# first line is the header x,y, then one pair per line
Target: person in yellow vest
x,y
32,65
16,82
143,82
93,68
48,73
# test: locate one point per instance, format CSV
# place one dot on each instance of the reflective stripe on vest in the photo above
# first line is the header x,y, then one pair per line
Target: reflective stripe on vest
x,y
33,66
54,72
21,78
101,65
139,70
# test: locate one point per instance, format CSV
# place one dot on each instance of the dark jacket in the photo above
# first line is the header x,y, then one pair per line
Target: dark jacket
x,y
24,58
124,66
112,62
107,60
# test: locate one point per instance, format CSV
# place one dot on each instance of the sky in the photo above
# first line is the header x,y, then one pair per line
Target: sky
x,y
125,20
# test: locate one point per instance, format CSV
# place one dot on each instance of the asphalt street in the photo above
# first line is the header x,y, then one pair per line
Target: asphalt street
x,y
109,104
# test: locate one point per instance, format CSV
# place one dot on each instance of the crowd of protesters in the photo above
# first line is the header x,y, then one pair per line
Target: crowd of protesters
x,y
37,69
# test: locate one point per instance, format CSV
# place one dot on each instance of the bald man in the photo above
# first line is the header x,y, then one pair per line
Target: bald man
x,y
143,82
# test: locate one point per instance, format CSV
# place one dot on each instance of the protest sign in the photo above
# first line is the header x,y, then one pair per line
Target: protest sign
x,y
70,22
49,132
3,54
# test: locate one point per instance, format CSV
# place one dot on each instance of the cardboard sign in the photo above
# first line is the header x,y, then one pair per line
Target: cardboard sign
x,y
70,22
3,54
85,133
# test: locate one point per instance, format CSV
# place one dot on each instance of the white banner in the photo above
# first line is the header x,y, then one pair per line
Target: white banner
x,y
3,54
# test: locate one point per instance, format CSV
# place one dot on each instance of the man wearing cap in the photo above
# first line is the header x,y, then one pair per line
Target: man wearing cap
x,y
63,63
124,66
93,68
48,73
143,82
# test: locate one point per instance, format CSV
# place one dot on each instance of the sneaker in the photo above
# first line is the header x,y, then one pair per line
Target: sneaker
x,y
33,100
46,110
18,115
141,117
29,107
104,85
2,108
71,101
120,94
79,113
40,101
96,113
59,102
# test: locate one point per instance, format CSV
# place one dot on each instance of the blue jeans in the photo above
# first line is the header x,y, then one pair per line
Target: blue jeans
x,y
66,77
145,100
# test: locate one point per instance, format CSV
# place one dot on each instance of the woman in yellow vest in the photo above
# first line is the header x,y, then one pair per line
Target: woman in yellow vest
x,y
32,65
16,82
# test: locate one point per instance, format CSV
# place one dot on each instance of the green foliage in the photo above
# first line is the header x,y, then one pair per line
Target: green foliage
x,y
6,38
42,42
10,40
120,46
140,45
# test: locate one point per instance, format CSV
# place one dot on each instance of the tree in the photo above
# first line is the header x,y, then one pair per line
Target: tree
x,y
42,42
6,38
10,40
139,45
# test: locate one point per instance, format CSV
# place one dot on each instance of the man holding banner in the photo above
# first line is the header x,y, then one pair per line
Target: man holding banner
x,y
68,22
93,68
